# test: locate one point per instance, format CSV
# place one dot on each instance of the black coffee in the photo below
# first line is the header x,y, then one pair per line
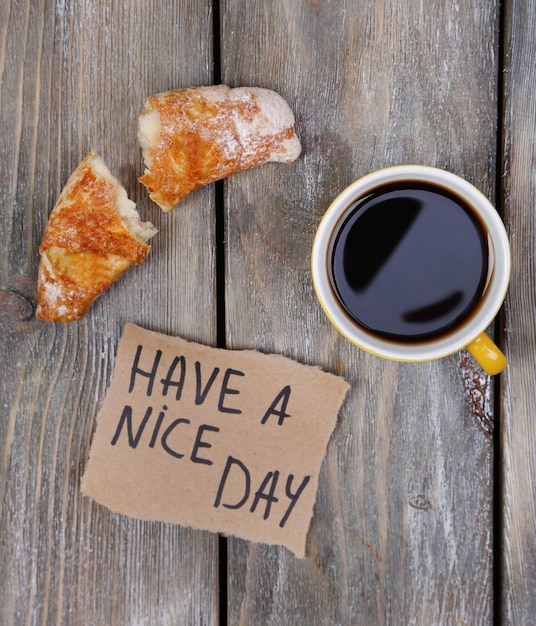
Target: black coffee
x,y
410,261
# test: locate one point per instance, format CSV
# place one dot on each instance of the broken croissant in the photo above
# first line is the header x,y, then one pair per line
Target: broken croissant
x,y
195,136
93,235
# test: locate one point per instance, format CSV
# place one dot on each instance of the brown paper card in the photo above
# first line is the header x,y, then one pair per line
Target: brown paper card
x,y
221,440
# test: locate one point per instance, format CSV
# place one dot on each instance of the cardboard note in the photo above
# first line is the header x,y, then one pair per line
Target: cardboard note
x,y
220,440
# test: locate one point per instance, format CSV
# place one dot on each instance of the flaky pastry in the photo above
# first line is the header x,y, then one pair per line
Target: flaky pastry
x,y
93,235
194,136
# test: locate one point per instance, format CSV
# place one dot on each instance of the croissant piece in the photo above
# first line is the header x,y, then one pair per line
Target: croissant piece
x,y
93,235
194,136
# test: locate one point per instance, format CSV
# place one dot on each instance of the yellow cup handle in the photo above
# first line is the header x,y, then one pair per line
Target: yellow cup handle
x,y
487,354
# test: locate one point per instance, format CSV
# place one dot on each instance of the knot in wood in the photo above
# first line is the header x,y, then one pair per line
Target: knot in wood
x,y
420,502
15,306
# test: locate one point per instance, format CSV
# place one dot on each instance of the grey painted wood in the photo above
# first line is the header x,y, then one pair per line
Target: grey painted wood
x,y
518,462
402,531
74,76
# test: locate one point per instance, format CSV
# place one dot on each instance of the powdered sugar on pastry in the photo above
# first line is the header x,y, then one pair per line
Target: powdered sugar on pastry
x,y
93,235
195,136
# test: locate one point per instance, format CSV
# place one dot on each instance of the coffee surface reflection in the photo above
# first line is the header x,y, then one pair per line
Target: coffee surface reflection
x,y
409,262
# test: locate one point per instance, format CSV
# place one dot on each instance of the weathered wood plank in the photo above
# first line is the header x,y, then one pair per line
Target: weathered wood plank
x,y
518,432
74,76
402,530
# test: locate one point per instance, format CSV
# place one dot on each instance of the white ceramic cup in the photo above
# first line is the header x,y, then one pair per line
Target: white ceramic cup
x,y
471,333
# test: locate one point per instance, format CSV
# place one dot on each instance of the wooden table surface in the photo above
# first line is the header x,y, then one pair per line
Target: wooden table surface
x,y
426,509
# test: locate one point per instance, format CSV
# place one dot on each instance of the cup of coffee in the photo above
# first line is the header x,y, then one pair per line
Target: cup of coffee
x,y
412,263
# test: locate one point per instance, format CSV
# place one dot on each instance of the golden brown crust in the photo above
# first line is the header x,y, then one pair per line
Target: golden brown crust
x,y
196,145
85,247
208,133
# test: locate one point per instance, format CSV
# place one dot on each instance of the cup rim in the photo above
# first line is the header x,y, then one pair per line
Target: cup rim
x,y
431,349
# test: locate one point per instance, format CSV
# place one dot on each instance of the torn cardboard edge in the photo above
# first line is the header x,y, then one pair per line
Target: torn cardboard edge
x,y
229,441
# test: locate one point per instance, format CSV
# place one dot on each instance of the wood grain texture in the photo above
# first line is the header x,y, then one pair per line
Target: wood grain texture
x,y
74,76
403,527
402,531
518,430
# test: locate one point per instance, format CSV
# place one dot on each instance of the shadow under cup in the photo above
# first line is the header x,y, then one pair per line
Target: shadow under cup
x,y
412,263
